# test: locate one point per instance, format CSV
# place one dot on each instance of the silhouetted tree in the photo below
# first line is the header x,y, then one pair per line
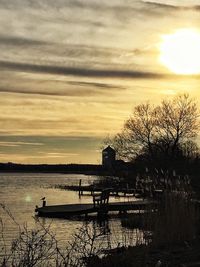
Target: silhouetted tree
x,y
163,132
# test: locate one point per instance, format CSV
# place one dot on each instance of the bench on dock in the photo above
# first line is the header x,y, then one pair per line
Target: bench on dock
x,y
101,199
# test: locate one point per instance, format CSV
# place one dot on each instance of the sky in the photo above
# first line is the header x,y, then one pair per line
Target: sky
x,y
71,72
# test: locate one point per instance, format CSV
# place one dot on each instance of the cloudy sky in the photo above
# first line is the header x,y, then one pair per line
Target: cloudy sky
x,y
71,71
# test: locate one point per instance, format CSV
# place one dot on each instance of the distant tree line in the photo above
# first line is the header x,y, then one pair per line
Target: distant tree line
x,y
59,168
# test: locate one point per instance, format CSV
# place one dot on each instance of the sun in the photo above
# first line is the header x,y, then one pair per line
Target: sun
x,y
180,51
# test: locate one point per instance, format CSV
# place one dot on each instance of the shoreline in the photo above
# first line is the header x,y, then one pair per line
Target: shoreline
x,y
87,169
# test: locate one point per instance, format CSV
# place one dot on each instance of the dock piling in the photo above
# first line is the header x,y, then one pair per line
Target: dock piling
x,y
80,192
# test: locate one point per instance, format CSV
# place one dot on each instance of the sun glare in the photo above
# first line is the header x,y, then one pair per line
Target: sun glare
x,y
28,198
180,51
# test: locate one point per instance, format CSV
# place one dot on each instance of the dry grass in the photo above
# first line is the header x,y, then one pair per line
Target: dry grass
x,y
176,220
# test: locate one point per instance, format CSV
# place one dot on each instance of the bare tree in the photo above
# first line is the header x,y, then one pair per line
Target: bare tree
x,y
177,121
158,130
140,128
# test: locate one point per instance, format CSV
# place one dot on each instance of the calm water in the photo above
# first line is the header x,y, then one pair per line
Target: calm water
x,y
21,192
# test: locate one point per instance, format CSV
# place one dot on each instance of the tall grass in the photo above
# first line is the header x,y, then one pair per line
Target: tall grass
x,y
177,217
176,220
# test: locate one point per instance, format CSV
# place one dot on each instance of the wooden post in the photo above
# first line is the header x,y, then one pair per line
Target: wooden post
x,y
79,193
44,203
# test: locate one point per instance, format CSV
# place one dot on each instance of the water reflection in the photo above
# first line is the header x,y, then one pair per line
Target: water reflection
x,y
21,192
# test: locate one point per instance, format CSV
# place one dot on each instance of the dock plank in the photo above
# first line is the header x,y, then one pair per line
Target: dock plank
x,y
87,208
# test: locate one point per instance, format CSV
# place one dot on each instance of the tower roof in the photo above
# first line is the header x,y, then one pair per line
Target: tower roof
x,y
109,149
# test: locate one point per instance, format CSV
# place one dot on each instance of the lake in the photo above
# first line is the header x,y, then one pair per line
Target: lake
x,y
21,192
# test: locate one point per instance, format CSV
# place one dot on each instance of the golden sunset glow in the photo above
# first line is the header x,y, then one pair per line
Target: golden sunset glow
x,y
180,51
72,71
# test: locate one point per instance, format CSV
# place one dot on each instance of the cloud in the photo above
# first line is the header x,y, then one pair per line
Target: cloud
x,y
96,84
17,143
56,149
82,72
56,92
60,154
59,5
19,41
161,5
66,88
87,72
36,91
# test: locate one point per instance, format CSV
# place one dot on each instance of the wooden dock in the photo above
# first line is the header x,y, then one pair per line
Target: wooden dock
x,y
92,189
70,210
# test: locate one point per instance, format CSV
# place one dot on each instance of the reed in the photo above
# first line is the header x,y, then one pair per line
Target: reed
x,y
176,220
